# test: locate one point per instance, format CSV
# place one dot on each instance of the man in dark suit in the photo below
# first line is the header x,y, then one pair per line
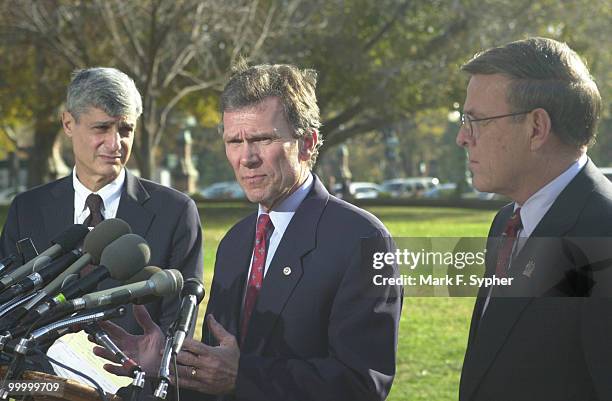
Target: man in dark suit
x,y
316,328
102,108
530,112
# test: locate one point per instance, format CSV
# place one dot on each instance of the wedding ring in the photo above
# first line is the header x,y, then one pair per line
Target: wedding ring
x,y
193,371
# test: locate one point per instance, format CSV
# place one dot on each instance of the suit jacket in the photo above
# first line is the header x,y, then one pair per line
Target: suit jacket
x,y
320,330
548,335
166,218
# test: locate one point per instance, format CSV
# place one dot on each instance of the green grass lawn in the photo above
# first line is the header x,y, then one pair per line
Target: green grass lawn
x,y
433,331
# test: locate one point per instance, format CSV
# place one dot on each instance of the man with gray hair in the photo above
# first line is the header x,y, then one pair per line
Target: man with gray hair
x,y
530,112
102,108
293,312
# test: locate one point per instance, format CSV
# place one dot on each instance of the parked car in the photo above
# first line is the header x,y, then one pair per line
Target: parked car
x,y
223,190
361,190
409,187
441,191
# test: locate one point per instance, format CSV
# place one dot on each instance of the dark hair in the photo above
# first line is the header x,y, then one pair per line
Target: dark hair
x,y
295,88
546,74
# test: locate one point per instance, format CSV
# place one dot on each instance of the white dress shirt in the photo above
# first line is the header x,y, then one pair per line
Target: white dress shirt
x,y
110,194
538,204
281,216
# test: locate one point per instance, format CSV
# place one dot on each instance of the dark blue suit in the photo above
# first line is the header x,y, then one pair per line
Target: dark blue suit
x,y
166,218
323,331
548,337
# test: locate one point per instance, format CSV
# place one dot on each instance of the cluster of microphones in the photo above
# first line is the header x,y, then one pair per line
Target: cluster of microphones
x,y
48,296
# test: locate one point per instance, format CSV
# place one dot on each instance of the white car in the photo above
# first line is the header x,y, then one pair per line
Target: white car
x,y
409,187
223,190
361,190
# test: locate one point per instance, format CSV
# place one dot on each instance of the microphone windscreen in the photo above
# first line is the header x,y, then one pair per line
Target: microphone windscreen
x,y
193,286
143,275
167,282
71,238
125,256
102,235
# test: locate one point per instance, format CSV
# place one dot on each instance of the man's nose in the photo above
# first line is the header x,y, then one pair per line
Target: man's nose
x,y
249,155
463,137
113,141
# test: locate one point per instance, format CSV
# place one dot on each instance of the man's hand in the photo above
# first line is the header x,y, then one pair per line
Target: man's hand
x,y
207,369
144,349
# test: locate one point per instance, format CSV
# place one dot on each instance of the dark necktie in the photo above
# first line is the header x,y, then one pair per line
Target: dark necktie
x,y
264,228
94,204
513,226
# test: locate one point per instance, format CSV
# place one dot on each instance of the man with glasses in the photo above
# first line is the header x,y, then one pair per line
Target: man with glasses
x,y
530,113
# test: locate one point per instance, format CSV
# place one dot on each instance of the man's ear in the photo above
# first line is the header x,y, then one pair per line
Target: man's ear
x,y
540,129
308,144
68,123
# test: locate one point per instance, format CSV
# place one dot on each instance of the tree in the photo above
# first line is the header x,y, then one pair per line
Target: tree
x,y
171,49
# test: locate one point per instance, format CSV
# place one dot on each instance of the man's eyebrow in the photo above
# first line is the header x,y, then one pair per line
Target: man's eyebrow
x,y
103,122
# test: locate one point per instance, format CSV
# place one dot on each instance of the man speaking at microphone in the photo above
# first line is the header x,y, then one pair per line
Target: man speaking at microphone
x,y
102,108
291,315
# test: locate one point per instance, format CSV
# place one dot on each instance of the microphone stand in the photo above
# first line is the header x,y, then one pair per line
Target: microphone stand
x,y
161,392
131,392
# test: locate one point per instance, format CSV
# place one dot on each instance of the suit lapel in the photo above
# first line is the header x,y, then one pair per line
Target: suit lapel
x,y
58,214
131,209
286,269
230,280
503,312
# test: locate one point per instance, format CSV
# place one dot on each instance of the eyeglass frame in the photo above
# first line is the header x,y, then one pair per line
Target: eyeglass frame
x,y
466,117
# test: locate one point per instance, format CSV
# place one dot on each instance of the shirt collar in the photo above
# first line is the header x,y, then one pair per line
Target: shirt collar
x,y
534,209
109,193
282,214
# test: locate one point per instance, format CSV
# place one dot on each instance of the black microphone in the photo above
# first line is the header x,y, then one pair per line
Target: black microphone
x,y
192,294
95,242
165,282
35,318
39,277
7,263
120,260
65,242
99,238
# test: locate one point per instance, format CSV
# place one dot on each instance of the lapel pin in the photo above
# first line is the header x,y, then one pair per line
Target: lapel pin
x,y
529,268
287,271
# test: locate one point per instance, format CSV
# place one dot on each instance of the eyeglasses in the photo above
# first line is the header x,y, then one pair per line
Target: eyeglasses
x,y
466,120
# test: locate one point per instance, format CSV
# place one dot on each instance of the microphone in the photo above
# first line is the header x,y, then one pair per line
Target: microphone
x,y
65,242
95,242
165,282
120,260
32,321
192,294
40,276
7,263
99,238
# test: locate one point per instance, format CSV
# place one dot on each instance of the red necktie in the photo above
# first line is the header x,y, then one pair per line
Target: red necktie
x,y
264,227
513,226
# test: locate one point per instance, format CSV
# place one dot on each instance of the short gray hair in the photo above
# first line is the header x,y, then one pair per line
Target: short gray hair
x,y
104,88
546,74
295,88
